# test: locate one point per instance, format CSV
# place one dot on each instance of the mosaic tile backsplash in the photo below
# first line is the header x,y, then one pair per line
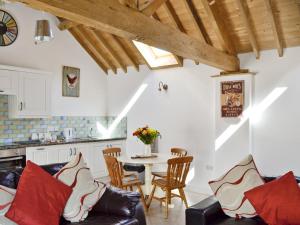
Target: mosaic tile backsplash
x,y
12,130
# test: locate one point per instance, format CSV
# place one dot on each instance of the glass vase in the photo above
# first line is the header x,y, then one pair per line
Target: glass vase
x,y
147,150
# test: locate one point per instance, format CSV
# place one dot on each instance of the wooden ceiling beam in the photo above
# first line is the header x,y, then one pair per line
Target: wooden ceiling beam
x,y
66,25
87,34
176,22
125,52
213,11
179,59
112,17
275,26
244,13
153,7
203,36
130,3
87,46
99,38
132,45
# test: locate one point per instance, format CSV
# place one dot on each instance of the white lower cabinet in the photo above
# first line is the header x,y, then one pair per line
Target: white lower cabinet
x,y
92,154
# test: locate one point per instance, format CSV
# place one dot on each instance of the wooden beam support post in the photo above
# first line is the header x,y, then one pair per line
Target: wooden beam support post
x,y
217,22
112,17
244,12
275,27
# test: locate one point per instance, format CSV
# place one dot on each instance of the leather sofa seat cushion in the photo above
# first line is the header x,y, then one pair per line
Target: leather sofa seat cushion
x,y
103,219
243,221
124,203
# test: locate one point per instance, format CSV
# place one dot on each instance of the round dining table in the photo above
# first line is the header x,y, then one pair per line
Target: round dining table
x,y
161,158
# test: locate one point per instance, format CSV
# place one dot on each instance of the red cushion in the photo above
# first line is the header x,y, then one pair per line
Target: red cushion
x,y
277,202
40,198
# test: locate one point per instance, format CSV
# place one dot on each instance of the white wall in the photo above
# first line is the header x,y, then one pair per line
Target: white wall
x,y
185,114
63,50
276,142
232,135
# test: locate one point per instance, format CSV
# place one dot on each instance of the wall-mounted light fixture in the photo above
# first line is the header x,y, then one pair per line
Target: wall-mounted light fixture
x,y
162,86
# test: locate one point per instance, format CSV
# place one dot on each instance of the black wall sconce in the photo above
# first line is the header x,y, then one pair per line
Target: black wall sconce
x,y
162,86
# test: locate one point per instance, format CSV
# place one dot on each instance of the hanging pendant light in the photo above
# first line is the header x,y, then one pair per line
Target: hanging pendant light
x,y
43,32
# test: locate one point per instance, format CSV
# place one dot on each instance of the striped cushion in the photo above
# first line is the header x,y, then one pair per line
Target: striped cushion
x,y
86,191
7,195
230,188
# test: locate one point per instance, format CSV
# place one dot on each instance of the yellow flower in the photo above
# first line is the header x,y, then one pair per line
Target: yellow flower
x,y
145,132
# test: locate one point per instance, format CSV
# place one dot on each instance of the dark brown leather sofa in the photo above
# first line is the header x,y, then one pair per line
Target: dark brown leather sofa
x,y
116,207
209,212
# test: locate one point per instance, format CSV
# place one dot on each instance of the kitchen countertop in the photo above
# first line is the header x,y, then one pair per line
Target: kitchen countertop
x,y
72,141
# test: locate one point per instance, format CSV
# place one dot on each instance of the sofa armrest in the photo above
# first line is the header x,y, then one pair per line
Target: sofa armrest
x,y
204,212
121,203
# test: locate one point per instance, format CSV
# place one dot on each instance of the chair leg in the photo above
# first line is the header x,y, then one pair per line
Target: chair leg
x,y
167,205
142,196
183,197
151,196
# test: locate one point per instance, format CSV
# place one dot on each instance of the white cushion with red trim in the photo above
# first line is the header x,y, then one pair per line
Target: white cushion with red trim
x,y
7,195
86,191
230,188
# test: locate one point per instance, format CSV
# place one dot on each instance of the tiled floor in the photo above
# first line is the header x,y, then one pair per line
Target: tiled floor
x,y
155,215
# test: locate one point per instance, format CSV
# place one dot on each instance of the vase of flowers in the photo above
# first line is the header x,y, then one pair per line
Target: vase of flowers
x,y
147,135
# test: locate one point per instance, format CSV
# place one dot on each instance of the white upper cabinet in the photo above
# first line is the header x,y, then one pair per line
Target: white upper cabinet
x,y
8,82
29,91
34,95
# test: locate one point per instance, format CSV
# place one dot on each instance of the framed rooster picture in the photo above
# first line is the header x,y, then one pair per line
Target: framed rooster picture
x,y
71,82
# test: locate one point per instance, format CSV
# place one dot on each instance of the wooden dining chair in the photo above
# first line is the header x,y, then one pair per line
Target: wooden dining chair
x,y
178,169
177,152
116,152
119,181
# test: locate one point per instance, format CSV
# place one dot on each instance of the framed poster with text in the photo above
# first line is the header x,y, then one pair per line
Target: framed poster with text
x,y
232,98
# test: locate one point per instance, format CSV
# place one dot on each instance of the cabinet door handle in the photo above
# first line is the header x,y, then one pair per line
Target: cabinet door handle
x,y
70,151
75,151
1,91
21,106
40,149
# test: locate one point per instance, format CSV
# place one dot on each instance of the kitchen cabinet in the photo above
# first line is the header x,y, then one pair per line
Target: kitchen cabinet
x,y
8,82
92,154
28,90
33,99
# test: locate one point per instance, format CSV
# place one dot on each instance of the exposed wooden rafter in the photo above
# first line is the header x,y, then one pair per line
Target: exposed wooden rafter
x,y
66,24
179,59
90,37
125,52
153,7
110,16
275,26
175,21
99,38
89,48
202,35
244,12
218,23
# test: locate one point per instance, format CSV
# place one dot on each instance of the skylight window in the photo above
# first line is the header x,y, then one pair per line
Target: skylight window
x,y
155,57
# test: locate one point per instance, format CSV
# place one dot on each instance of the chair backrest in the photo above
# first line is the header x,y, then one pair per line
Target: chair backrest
x,y
114,170
178,152
178,169
114,152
